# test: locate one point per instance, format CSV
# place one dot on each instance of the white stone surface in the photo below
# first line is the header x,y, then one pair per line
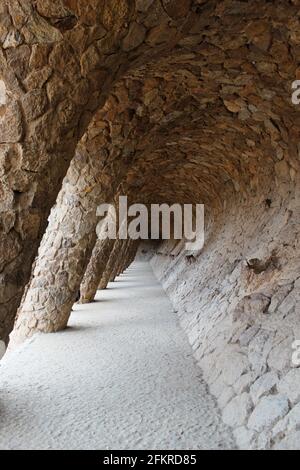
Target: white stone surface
x,y
269,410
122,376
293,419
237,411
3,97
290,423
263,386
290,442
290,386
246,349
234,365
244,438
225,397
2,349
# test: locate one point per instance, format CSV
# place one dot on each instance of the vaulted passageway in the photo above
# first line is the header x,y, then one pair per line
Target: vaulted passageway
x,y
165,101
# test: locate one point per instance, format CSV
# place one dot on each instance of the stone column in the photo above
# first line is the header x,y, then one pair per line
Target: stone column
x,y
111,265
67,245
126,255
58,61
95,270
48,94
132,253
119,260
130,250
93,277
123,258
103,281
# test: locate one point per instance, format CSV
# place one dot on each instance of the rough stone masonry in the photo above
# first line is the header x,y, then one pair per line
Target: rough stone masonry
x,y
185,101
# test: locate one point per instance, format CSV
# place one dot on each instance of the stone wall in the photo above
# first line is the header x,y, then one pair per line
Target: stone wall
x,y
238,301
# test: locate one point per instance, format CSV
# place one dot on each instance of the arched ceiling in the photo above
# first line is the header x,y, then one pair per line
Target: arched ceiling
x,y
213,115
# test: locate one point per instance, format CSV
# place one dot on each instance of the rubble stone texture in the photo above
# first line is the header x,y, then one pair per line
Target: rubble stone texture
x,y
112,265
95,270
58,62
167,101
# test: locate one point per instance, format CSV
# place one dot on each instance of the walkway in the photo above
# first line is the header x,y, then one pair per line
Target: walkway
x,y
122,376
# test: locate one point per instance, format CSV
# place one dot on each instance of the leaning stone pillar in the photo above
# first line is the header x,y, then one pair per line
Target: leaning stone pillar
x,y
132,253
123,258
104,280
95,270
66,248
49,89
131,247
111,265
119,260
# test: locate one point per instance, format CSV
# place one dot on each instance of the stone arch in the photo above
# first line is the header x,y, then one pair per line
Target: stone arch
x,y
201,116
58,62
176,113
117,134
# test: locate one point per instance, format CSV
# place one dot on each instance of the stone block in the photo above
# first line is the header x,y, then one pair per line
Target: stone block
x,y
269,410
289,386
263,386
237,411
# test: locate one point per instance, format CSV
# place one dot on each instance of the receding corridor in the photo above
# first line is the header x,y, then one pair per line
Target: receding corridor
x,y
164,132
121,376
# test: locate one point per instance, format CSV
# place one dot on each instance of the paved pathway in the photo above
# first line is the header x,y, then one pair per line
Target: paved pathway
x,y
122,376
